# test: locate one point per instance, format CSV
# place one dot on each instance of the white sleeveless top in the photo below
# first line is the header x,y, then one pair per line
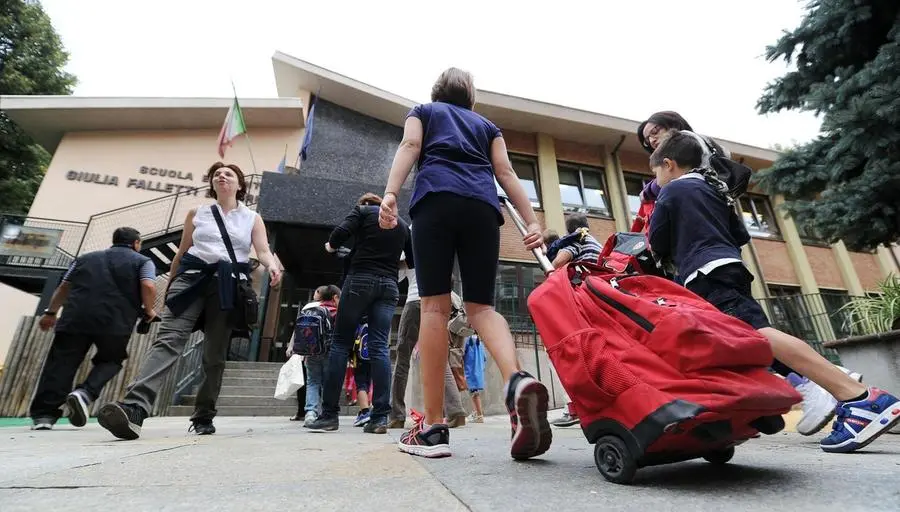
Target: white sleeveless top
x,y
208,245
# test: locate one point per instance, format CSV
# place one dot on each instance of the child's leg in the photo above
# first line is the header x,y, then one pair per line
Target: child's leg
x,y
432,345
476,403
799,355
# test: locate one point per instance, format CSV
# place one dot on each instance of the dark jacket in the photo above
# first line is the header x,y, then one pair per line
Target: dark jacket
x,y
376,251
693,225
105,293
198,282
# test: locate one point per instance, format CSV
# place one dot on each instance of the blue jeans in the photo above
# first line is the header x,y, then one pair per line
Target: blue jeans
x,y
375,297
315,379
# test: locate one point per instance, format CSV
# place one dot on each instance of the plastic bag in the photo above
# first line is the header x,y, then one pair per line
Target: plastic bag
x,y
290,378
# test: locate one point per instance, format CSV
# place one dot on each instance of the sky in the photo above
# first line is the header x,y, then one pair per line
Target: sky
x,y
702,58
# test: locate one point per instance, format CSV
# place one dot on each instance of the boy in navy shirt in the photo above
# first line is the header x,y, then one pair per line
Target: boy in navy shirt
x,y
697,227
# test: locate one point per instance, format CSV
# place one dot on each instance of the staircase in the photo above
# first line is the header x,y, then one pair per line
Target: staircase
x,y
247,389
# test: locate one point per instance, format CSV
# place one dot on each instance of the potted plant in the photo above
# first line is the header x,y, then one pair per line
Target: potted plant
x,y
874,348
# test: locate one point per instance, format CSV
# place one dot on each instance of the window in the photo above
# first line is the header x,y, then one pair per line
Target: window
x,y
758,216
514,282
634,184
803,316
841,322
526,169
582,189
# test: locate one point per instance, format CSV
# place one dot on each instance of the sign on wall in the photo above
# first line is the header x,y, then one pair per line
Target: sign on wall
x,y
28,241
152,179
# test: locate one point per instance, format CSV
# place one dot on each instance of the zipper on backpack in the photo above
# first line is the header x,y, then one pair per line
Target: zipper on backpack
x,y
642,322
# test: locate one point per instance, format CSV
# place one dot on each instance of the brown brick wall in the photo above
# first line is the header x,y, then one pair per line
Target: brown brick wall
x,y
825,267
518,142
575,152
601,228
511,247
634,162
775,262
867,269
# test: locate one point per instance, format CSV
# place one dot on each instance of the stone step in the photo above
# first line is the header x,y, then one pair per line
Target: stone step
x,y
251,374
245,401
261,390
250,382
252,365
287,410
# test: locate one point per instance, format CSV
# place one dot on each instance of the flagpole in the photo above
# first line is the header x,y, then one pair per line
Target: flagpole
x,y
246,130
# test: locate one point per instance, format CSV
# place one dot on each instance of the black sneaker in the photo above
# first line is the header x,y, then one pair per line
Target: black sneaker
x,y
376,426
526,401
202,427
78,404
43,423
122,420
431,443
324,423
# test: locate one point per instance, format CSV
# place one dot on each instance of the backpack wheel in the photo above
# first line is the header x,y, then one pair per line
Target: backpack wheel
x,y
614,460
719,457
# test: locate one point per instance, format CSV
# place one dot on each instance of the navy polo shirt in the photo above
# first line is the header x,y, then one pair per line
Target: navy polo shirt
x,y
456,154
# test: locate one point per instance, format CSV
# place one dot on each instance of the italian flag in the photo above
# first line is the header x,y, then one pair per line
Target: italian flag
x,y
234,126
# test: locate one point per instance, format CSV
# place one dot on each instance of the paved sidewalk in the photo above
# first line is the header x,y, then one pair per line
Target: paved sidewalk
x,y
272,464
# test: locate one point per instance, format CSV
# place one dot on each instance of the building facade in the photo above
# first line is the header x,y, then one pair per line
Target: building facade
x,y
136,162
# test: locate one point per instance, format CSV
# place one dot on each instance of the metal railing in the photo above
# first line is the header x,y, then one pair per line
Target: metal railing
x,y
155,217
188,369
814,318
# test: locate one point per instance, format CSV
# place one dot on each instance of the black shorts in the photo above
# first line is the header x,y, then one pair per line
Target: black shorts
x,y
447,225
728,289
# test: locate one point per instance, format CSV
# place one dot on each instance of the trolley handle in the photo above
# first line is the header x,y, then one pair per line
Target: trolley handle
x,y
542,260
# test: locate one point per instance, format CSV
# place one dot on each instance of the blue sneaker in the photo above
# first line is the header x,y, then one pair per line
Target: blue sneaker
x,y
363,417
859,423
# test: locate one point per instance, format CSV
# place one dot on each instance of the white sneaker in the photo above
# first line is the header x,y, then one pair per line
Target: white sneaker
x,y
310,417
475,418
818,405
853,375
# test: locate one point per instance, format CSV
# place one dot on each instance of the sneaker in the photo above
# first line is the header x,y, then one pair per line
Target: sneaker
x,y
42,423
376,426
457,421
363,417
310,417
202,427
396,423
324,423
432,443
122,420
526,401
818,405
859,423
566,420
475,418
79,405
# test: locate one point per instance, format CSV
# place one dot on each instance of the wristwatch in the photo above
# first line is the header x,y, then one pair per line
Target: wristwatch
x,y
48,312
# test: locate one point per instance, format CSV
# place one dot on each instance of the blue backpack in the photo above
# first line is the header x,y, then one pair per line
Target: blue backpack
x,y
362,342
313,331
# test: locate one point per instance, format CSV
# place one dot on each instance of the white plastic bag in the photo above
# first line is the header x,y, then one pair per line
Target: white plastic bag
x,y
290,378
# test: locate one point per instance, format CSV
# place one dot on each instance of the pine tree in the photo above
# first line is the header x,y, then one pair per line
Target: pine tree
x,y
845,184
31,62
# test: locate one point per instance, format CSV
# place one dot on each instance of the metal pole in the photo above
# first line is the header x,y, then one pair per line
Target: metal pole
x,y
542,260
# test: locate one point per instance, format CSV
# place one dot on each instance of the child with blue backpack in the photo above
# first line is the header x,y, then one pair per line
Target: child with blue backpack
x,y
315,323
696,225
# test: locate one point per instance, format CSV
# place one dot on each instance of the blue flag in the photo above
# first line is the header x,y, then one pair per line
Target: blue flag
x,y
307,137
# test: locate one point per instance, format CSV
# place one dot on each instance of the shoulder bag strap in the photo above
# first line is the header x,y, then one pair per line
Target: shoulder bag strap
x,y
224,232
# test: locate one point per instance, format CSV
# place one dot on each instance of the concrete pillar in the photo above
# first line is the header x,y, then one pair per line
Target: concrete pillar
x,y
848,271
803,269
886,262
551,199
618,200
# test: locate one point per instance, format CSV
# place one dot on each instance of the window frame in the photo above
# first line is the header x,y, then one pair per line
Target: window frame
x,y
580,169
533,162
775,229
645,178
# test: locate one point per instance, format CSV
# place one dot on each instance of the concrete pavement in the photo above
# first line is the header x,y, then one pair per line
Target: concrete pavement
x,y
272,464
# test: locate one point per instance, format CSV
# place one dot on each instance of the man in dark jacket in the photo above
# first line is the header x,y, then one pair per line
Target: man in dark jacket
x,y
103,293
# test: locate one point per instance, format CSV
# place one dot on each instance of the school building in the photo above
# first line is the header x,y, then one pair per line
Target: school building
x,y
141,161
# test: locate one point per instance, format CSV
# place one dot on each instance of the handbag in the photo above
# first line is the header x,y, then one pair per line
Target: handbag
x,y
290,378
245,314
